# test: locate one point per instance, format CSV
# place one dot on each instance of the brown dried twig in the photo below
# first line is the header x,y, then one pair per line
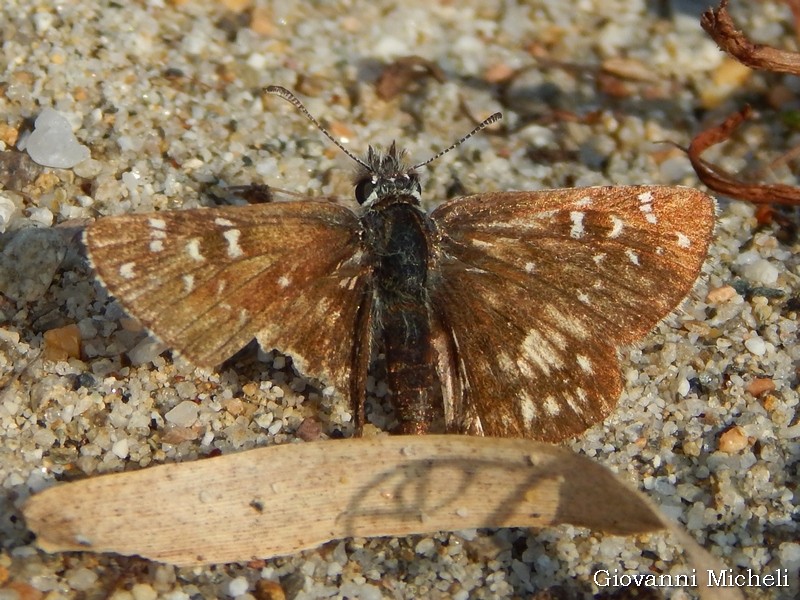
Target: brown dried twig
x,y
723,182
719,25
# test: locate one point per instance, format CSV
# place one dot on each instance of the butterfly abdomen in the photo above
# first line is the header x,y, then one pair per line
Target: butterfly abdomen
x,y
398,236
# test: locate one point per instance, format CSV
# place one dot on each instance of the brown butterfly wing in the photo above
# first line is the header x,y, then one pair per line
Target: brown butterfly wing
x,y
538,290
207,281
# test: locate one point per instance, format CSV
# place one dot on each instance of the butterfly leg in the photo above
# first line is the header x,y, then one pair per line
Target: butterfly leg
x,y
360,361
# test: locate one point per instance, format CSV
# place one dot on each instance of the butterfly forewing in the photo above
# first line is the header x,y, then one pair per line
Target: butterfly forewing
x,y
545,286
207,281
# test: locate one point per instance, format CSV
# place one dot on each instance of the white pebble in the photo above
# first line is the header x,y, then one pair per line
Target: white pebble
x,y
176,595
43,21
7,209
44,438
789,553
8,336
186,389
389,47
756,346
41,215
361,591
183,415
81,579
120,448
52,142
88,169
143,591
146,351
425,547
257,61
238,586
756,269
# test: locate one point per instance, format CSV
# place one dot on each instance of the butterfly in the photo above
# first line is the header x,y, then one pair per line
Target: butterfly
x,y
498,314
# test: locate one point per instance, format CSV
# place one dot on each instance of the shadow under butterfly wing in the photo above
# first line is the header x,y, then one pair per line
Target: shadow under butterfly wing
x,y
207,281
537,290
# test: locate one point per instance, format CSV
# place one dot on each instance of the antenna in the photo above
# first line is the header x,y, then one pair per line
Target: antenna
x,y
482,125
281,91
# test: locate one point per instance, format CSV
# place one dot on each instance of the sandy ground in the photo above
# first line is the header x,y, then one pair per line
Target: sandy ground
x,y
165,95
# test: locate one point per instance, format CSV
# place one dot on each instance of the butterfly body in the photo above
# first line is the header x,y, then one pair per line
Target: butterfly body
x,y
398,239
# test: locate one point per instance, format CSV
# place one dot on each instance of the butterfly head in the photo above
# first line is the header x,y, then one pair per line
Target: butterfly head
x,y
385,175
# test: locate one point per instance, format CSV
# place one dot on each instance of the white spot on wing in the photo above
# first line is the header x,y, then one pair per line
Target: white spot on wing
x,y
193,250
576,231
529,222
566,323
537,350
585,364
156,245
645,199
583,297
530,267
683,240
188,283
617,225
575,406
157,223
505,362
632,256
223,222
527,408
126,270
232,237
551,407
556,338
283,281
346,282
584,202
481,243
598,258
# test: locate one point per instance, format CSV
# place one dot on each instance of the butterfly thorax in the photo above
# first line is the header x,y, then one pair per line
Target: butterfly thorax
x,y
397,235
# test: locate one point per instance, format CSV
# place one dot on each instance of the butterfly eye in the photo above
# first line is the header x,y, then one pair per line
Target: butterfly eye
x,y
364,189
